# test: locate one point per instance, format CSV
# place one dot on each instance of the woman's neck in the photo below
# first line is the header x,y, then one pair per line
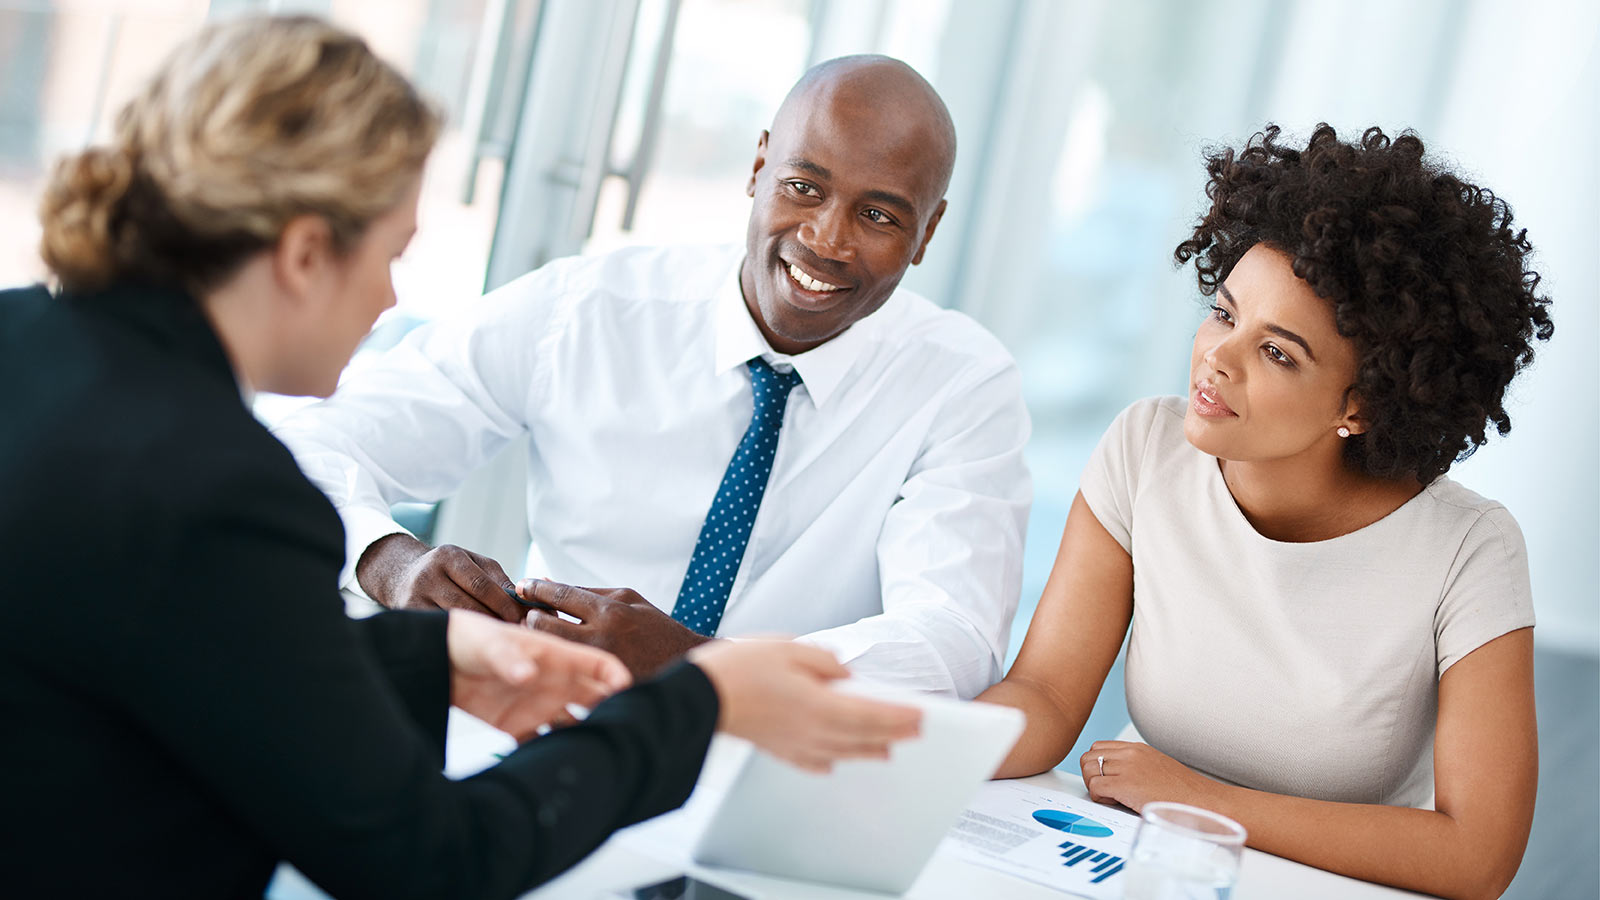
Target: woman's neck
x,y
244,325
1298,501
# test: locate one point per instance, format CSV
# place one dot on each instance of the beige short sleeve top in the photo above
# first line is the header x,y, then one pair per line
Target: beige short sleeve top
x,y
1309,669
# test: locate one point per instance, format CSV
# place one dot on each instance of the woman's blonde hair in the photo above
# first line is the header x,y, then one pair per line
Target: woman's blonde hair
x,y
246,125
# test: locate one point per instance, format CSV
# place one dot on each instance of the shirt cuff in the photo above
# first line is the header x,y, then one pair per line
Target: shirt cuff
x,y
362,528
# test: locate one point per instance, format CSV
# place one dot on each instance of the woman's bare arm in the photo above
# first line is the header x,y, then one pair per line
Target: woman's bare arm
x,y
1072,642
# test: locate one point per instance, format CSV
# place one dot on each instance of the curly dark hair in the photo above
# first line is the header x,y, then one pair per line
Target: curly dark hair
x,y
1422,269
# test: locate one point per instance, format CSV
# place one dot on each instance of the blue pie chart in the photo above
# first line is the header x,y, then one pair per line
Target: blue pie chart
x,y
1071,823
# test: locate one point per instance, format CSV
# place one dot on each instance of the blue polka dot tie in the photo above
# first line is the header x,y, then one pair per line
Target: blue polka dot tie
x,y
725,534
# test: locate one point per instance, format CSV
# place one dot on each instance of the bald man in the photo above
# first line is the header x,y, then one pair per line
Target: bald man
x,y
723,441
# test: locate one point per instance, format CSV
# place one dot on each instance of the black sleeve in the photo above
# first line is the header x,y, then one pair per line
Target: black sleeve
x,y
411,650
260,687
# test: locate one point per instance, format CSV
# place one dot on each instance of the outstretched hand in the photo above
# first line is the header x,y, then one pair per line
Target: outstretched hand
x,y
616,620
778,695
519,680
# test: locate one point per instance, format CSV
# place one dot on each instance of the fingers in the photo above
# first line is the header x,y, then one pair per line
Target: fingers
x,y
816,661
555,626
448,577
874,719
513,663
483,580
855,727
1101,764
535,679
815,763
843,726
1095,760
589,693
854,747
494,571
577,602
608,670
777,695
590,664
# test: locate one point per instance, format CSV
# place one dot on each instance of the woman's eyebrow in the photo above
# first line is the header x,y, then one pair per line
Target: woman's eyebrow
x,y
1270,326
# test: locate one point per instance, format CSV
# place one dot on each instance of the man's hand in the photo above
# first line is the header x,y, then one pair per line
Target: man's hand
x,y
518,680
401,572
614,619
776,694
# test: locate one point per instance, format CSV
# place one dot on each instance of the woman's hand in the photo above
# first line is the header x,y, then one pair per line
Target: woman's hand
x,y
517,679
776,694
1135,774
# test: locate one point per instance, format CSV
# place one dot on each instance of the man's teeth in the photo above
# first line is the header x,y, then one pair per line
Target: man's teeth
x,y
809,283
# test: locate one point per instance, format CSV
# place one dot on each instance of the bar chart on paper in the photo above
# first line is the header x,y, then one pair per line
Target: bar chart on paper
x,y
1101,865
1046,836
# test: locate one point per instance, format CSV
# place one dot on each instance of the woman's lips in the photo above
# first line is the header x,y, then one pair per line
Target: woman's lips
x,y
1207,402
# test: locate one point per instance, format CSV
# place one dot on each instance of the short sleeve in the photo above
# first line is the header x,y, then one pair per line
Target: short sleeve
x,y
1110,480
1488,592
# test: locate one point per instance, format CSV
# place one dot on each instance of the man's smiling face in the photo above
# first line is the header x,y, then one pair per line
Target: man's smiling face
x,y
848,189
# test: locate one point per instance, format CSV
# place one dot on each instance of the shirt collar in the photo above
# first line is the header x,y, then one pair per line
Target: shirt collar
x,y
822,369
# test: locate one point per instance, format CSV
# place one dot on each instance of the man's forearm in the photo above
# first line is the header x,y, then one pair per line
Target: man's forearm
x,y
384,562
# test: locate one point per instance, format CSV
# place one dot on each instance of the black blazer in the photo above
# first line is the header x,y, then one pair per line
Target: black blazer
x,y
185,702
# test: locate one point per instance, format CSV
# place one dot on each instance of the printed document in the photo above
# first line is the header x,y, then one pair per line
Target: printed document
x,y
1049,837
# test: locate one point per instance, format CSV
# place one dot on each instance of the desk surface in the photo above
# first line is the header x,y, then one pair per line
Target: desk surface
x,y
659,849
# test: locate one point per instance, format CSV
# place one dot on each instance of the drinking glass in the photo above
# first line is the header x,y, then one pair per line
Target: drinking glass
x,y
1183,852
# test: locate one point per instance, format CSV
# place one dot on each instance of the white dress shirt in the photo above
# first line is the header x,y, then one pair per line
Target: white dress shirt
x,y
892,527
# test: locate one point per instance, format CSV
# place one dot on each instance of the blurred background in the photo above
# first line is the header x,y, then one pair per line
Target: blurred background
x,y
579,125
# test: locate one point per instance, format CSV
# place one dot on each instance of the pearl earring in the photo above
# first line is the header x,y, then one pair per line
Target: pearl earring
x,y
1343,431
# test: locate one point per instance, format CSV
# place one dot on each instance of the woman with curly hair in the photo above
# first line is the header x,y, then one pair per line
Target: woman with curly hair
x,y
1329,640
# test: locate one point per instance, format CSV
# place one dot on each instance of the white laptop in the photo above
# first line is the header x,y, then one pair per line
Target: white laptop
x,y
869,823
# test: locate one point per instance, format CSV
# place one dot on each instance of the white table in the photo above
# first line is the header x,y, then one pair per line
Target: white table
x,y
659,849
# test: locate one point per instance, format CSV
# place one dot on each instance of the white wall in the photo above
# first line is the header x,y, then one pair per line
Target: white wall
x,y
1509,93
1532,128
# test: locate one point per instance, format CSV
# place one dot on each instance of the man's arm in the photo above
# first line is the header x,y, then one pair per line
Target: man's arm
x,y
950,551
414,423
401,572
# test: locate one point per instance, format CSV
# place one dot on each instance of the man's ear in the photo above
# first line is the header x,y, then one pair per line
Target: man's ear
x,y
927,233
302,256
761,160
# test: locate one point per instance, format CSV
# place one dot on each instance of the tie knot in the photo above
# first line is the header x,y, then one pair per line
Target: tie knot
x,y
770,385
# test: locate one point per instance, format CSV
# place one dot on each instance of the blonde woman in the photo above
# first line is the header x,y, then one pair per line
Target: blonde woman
x,y
186,702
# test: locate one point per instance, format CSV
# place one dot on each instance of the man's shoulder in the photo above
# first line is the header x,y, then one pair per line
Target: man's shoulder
x,y
914,321
666,273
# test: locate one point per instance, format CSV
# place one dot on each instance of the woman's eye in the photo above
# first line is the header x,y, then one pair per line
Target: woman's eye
x,y
1220,314
1278,356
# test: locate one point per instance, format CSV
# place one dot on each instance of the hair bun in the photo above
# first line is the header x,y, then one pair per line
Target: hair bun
x,y
79,209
